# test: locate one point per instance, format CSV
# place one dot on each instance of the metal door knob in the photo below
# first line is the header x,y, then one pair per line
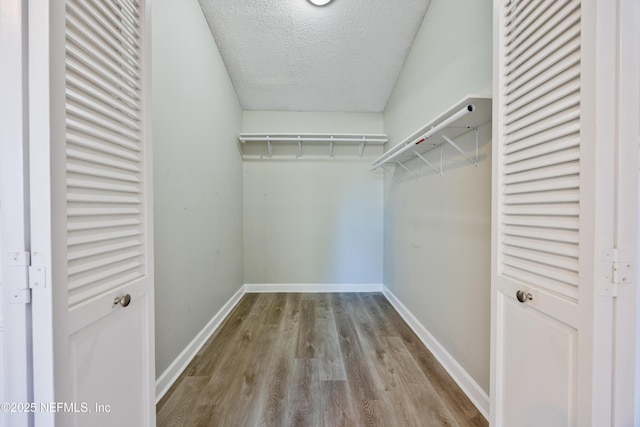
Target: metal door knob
x,y
523,296
123,300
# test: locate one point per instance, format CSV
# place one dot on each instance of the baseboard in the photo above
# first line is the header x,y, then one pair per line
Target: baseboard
x,y
470,387
171,374
312,287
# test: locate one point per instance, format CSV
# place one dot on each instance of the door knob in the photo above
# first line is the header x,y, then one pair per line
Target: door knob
x,y
123,300
523,296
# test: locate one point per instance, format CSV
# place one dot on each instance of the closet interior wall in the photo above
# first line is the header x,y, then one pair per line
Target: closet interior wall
x,y
1,320
314,219
197,178
437,237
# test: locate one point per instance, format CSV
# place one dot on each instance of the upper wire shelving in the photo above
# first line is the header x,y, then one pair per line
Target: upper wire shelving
x,y
466,116
301,139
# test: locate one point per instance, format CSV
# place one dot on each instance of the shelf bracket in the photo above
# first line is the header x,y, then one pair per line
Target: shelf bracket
x,y
459,150
331,147
362,147
269,147
439,172
408,170
299,147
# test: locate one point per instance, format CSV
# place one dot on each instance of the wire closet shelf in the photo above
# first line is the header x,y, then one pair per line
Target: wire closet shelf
x,y
465,116
301,139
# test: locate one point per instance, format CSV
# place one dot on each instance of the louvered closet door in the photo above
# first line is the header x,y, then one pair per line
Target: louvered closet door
x,y
537,213
102,296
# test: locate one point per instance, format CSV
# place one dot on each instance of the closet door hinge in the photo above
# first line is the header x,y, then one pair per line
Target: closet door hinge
x,y
617,271
37,277
16,277
21,277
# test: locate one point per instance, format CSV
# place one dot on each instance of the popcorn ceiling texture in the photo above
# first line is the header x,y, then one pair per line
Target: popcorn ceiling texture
x,y
288,55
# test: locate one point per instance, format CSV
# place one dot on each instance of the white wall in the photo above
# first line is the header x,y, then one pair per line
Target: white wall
x,y
197,178
313,220
437,230
1,322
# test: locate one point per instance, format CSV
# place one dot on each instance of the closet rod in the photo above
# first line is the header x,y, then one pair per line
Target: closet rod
x,y
392,153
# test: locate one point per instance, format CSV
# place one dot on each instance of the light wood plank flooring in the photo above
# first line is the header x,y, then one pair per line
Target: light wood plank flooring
x,y
315,360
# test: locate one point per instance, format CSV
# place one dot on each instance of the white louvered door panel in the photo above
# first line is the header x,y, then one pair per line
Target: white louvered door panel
x,y
105,205
540,149
537,213
101,211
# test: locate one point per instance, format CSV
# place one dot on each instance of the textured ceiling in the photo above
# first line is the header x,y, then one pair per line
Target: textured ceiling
x,y
289,55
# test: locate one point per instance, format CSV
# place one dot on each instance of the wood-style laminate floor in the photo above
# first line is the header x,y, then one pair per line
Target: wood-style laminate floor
x,y
315,360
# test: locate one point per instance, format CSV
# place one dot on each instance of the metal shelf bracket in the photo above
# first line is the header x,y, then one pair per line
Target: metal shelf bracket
x,y
438,171
408,170
460,150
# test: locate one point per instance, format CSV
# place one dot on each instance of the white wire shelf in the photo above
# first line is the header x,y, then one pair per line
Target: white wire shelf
x,y
302,139
465,116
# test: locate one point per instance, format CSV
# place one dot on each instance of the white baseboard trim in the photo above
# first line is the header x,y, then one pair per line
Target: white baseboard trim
x,y
171,374
312,287
470,387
